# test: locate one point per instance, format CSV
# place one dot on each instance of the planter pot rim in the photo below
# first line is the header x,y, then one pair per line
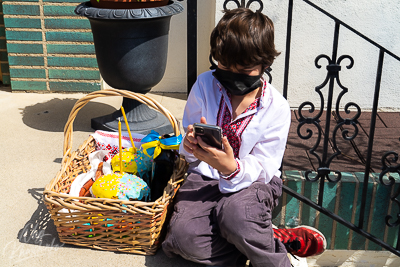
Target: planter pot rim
x,y
87,10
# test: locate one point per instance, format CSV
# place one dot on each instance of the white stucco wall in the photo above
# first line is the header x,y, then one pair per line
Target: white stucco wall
x,y
312,35
175,78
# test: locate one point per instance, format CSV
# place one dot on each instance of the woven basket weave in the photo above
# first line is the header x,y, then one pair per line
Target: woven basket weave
x,y
108,224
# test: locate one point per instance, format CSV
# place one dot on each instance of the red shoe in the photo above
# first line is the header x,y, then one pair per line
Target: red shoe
x,y
302,241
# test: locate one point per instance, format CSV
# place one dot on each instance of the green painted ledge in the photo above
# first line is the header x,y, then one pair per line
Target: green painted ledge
x,y
344,199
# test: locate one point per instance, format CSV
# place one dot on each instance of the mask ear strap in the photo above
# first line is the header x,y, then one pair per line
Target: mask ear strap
x,y
213,65
267,71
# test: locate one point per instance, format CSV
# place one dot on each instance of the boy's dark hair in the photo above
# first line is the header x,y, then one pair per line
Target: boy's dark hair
x,y
243,37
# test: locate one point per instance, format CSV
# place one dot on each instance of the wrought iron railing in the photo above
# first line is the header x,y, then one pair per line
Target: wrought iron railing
x,y
324,159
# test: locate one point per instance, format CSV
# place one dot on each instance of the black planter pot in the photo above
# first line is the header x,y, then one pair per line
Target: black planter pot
x,y
131,49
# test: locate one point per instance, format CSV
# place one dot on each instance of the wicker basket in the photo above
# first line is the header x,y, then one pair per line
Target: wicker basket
x,y
108,224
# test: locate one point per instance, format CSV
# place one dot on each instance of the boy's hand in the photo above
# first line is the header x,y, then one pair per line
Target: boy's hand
x,y
222,160
189,142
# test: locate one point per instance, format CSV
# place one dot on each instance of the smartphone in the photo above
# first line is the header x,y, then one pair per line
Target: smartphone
x,y
210,134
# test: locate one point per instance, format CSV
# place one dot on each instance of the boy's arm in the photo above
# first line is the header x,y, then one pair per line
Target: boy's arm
x,y
192,113
265,158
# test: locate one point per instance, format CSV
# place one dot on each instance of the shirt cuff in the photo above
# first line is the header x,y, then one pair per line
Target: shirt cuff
x,y
233,174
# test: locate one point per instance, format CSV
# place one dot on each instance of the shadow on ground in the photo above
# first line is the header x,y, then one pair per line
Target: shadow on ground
x,y
181,96
5,88
53,115
40,229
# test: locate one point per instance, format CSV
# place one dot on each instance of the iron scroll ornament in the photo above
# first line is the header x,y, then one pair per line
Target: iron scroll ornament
x,y
387,158
242,3
333,69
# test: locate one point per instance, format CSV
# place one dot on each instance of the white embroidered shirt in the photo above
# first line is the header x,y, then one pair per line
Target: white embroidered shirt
x,y
262,142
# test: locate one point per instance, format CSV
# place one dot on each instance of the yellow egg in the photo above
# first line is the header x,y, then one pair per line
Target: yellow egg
x,y
128,161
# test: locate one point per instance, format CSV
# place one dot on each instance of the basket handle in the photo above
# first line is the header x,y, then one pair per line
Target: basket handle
x,y
68,129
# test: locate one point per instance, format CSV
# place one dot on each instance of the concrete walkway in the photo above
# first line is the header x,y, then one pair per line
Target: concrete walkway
x,y
31,144
31,151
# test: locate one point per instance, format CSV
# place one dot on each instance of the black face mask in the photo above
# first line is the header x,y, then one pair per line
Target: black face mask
x,y
237,83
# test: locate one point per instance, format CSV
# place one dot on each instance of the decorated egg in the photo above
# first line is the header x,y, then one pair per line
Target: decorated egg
x,y
121,186
128,161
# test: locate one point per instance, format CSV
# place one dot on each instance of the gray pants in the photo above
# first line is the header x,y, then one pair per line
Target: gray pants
x,y
212,228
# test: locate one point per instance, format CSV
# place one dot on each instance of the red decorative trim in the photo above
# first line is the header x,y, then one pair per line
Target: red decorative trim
x,y
110,135
221,111
233,129
233,174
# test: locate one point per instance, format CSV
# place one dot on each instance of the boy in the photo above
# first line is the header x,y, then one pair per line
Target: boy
x,y
223,210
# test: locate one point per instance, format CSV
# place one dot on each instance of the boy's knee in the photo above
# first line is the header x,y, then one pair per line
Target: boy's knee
x,y
182,239
231,217
250,211
177,241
